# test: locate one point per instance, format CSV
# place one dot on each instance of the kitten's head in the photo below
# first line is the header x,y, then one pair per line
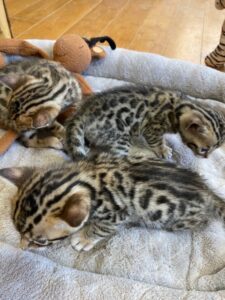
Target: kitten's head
x,y
200,133
28,101
49,205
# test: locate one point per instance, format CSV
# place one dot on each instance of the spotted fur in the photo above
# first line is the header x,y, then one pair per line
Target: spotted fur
x,y
90,199
114,117
32,94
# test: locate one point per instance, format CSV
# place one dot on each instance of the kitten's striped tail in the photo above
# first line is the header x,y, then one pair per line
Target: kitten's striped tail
x,y
216,58
220,4
219,208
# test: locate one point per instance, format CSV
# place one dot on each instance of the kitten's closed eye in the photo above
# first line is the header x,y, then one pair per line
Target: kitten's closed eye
x,y
39,242
192,146
58,239
45,242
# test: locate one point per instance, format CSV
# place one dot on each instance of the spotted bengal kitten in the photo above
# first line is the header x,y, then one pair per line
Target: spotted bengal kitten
x,y
114,117
91,198
32,94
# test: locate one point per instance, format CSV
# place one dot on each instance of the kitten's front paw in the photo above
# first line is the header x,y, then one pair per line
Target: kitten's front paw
x,y
167,152
81,242
163,151
49,142
54,143
61,134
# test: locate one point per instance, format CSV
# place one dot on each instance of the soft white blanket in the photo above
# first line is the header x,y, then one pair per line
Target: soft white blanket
x,y
136,263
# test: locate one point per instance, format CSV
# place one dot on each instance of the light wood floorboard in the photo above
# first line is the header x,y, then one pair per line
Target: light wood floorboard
x,y
180,29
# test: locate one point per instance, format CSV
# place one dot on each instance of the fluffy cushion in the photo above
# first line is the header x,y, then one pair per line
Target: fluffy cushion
x,y
136,263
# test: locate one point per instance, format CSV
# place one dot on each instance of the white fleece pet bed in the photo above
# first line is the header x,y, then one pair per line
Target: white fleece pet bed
x,y
136,263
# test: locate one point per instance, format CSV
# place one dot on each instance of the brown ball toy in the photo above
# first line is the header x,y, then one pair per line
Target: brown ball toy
x,y
65,48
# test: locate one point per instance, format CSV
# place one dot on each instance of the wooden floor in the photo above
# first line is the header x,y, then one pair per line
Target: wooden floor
x,y
176,28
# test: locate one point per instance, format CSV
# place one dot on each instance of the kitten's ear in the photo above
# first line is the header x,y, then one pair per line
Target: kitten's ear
x,y
193,124
44,117
76,209
41,119
13,81
17,175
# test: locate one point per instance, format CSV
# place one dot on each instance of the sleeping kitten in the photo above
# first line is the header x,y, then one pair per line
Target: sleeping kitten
x,y
32,94
114,117
90,199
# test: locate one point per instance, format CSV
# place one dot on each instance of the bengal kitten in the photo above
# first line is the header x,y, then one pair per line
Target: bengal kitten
x,y
114,117
32,94
91,198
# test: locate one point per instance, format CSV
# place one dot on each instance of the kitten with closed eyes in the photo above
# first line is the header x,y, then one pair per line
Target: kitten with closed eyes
x,y
32,94
89,200
115,117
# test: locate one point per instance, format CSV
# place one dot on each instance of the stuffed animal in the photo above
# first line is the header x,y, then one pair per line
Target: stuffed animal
x,y
65,48
72,51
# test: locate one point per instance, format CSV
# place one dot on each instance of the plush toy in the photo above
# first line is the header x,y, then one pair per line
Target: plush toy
x,y
72,51
65,48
